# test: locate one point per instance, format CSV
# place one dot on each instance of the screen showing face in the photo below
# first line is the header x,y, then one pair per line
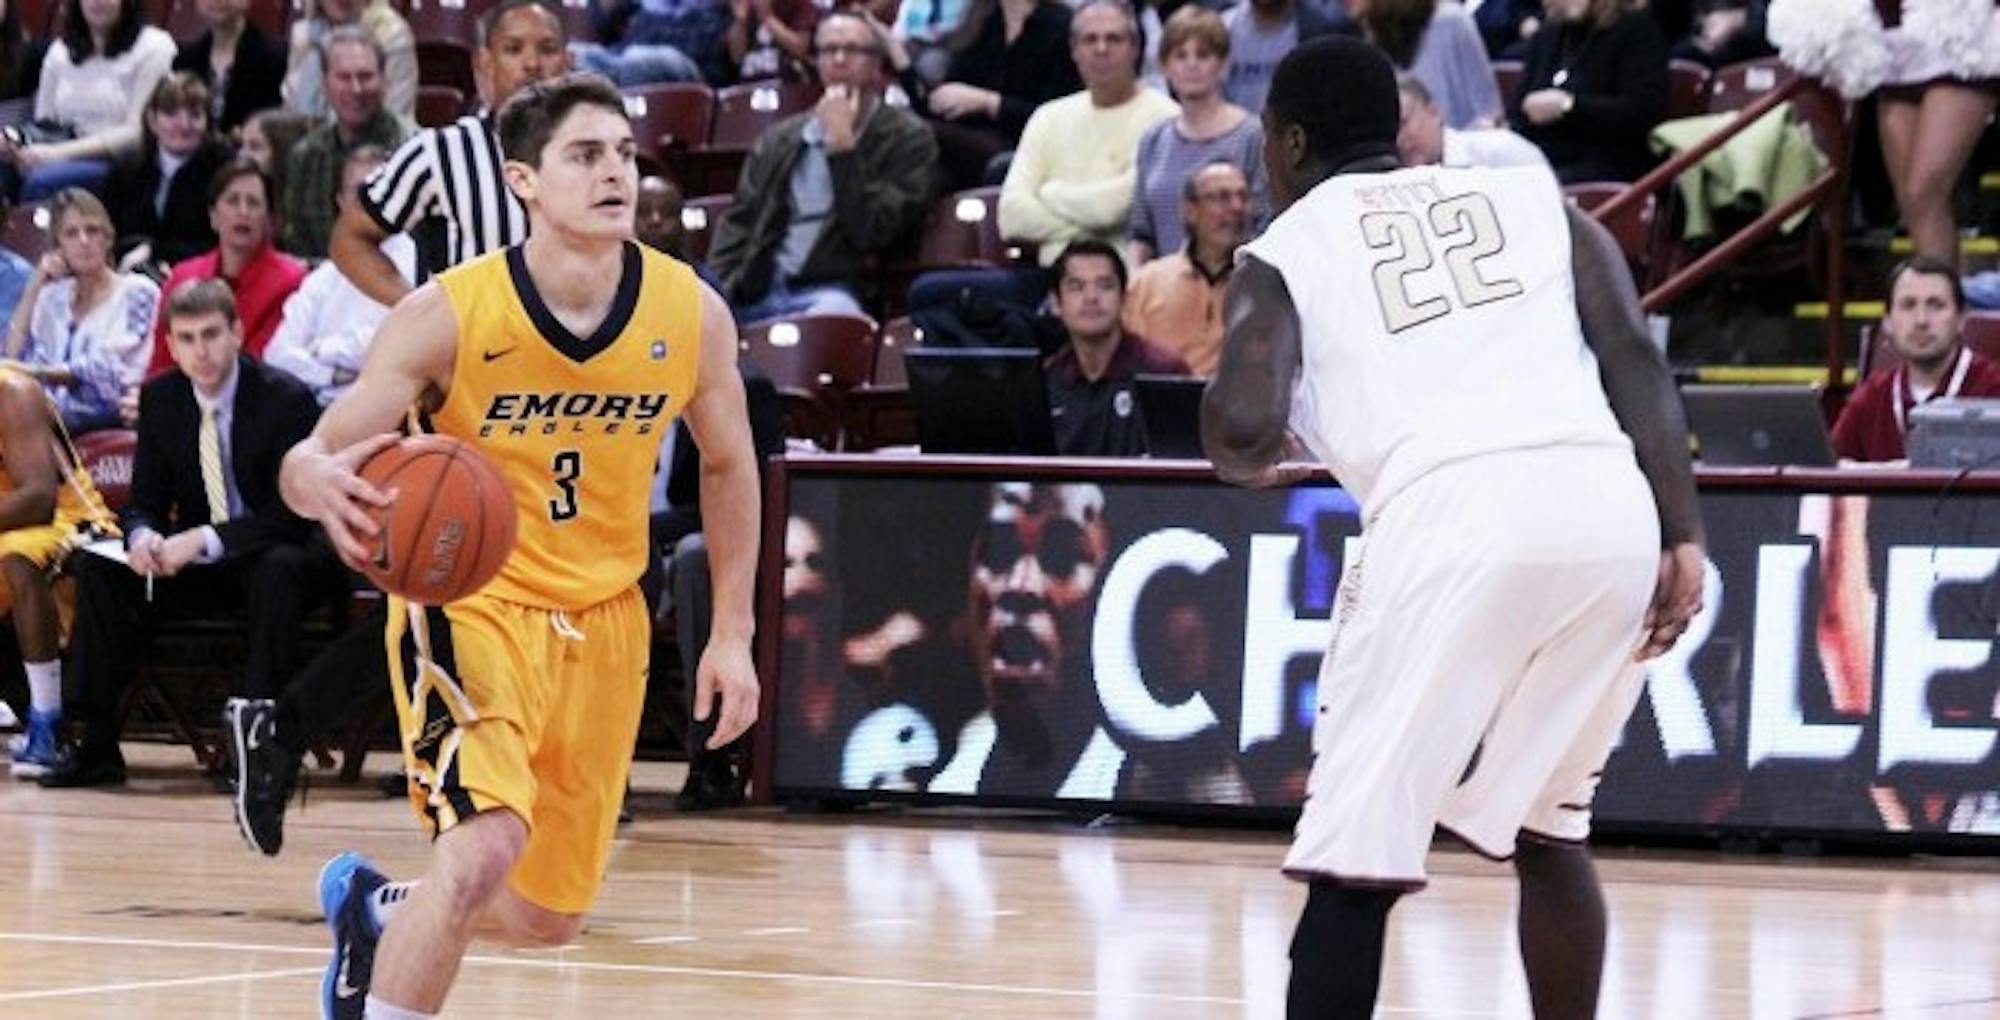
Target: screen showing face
x,y
1157,644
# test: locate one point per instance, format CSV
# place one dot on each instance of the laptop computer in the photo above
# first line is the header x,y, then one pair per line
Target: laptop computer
x,y
1955,434
1172,406
1755,426
986,400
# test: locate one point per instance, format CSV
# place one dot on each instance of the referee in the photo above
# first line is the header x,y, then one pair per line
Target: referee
x,y
444,186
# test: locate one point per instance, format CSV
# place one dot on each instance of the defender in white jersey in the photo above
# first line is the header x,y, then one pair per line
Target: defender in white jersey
x,y
1467,355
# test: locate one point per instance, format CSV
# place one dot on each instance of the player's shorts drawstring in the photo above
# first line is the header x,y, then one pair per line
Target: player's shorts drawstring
x,y
559,622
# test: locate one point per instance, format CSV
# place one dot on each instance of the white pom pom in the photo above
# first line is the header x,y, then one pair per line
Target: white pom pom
x,y
1965,32
1839,42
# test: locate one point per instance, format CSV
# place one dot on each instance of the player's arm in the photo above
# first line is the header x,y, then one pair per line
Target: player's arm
x,y
29,454
719,420
1246,406
356,247
1641,392
411,356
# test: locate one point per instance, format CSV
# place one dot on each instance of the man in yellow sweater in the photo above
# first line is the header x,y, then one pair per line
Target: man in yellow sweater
x,y
1072,177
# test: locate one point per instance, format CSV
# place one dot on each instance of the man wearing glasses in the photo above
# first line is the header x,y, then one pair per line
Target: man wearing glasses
x,y
1176,300
823,191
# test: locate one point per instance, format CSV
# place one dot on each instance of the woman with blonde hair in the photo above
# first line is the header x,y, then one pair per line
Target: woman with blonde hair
x,y
82,328
1592,88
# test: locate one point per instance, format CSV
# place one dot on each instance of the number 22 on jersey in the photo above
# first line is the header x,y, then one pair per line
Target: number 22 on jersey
x,y
1462,232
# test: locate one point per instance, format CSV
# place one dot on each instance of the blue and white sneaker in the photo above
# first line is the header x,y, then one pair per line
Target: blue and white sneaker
x,y
345,885
40,752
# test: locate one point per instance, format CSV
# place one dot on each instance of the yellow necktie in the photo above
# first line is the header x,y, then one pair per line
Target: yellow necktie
x,y
211,469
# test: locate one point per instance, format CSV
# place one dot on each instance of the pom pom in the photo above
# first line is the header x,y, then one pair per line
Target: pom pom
x,y
1965,32
1840,42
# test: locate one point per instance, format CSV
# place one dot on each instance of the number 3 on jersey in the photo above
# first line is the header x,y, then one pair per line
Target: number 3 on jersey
x,y
1468,231
565,468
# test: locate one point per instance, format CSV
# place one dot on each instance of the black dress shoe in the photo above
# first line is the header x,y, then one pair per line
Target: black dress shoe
x,y
711,787
84,767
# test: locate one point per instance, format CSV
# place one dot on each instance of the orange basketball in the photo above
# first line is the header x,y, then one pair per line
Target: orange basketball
x,y
451,525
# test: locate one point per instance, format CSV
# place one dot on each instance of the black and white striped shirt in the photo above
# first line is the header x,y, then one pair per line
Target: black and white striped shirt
x,y
450,176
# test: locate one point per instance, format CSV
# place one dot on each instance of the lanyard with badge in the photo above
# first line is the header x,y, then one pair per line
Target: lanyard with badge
x,y
1906,397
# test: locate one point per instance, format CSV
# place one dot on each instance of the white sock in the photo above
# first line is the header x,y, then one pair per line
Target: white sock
x,y
379,1010
45,686
387,900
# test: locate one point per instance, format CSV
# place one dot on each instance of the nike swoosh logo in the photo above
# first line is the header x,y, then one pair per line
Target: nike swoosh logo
x,y
496,355
341,989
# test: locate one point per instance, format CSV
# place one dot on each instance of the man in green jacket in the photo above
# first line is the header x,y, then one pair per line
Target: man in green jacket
x,y
826,193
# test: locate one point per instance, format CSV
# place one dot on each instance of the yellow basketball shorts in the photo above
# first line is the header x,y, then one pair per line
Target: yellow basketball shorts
x,y
536,711
48,547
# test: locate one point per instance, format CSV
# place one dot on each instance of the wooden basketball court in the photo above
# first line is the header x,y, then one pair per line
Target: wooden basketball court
x,y
144,902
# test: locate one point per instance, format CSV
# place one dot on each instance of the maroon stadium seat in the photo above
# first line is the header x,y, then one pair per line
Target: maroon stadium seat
x,y
1687,89
438,105
107,457
700,217
26,231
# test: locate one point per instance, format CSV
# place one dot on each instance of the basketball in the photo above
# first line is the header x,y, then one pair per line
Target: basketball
x,y
451,525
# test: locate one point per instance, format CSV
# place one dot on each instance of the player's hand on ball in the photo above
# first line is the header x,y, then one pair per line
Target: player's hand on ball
x,y
1676,597
332,492
726,675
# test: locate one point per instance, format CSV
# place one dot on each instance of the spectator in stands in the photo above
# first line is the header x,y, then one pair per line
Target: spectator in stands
x,y
50,509
353,62
826,191
243,68
14,273
656,221
1090,379
261,275
328,322
92,97
21,55
648,41
267,137
304,77
1194,49
204,520
1506,26
1074,174
1261,32
924,28
1931,113
82,326
1593,86
1176,300
771,38
1438,43
1924,322
1008,57
157,195
445,182
1726,32
1424,139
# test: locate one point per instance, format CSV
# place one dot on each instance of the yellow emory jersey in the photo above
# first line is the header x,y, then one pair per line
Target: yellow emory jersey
x,y
573,423
77,499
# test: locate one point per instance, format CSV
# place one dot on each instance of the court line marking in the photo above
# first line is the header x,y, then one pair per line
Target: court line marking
x,y
133,986
662,940
883,922
854,980
782,930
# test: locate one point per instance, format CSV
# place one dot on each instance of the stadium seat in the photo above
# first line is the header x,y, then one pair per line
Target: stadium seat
x,y
1982,333
26,231
1633,229
1687,89
107,457
813,360
742,113
1507,77
445,62
669,119
898,335
699,218
441,21
438,105
963,230
576,20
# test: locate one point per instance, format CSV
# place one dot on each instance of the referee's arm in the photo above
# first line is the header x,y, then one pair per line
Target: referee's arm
x,y
356,247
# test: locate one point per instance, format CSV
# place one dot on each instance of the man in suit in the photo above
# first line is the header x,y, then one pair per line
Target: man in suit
x,y
715,777
205,528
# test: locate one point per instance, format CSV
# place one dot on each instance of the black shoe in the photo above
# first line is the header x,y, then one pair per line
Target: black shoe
x,y
264,772
710,787
85,766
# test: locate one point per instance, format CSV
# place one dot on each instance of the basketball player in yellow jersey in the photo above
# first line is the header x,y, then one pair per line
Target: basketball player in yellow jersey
x,y
48,509
563,359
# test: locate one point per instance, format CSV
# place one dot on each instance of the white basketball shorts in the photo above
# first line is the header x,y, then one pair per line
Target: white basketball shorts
x,y
1494,609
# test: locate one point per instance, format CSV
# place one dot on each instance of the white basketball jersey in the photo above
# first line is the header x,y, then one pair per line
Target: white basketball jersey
x,y
1438,315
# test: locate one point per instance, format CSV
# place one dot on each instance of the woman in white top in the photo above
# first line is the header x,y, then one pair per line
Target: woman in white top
x,y
83,329
96,80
